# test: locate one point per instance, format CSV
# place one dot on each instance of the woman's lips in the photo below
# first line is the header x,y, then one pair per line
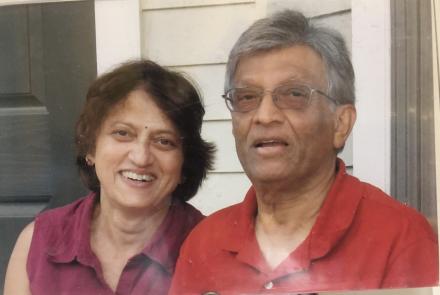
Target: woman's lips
x,y
147,177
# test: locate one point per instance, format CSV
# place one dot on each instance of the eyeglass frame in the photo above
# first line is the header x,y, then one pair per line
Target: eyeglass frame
x,y
262,92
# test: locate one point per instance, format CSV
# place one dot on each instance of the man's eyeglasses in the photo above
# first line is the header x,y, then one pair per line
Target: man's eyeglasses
x,y
289,96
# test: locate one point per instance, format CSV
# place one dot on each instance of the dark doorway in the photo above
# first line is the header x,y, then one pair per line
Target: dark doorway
x,y
47,61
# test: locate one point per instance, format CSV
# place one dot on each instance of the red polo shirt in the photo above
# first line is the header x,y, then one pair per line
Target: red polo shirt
x,y
362,239
61,260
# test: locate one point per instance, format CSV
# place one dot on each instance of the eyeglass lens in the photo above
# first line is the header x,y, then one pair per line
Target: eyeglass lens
x,y
285,97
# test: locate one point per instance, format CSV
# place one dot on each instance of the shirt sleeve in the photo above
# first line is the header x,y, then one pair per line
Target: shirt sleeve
x,y
415,266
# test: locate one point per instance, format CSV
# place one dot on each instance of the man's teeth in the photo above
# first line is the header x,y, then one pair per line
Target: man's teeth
x,y
138,177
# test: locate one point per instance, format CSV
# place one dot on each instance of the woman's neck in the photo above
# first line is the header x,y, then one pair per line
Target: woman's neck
x,y
117,235
127,231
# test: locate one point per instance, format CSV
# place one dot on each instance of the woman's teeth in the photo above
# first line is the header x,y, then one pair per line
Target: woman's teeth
x,y
139,177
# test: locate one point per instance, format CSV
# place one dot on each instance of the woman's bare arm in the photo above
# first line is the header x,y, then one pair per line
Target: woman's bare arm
x,y
17,281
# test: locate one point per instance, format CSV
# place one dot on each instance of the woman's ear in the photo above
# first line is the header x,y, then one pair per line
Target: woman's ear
x,y
345,116
90,160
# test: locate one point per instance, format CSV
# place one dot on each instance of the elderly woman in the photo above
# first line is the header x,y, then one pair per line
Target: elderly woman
x,y
141,154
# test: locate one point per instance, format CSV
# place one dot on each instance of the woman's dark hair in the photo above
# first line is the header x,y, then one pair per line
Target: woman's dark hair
x,y
174,95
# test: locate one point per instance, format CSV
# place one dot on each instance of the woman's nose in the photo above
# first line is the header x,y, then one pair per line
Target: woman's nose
x,y
140,154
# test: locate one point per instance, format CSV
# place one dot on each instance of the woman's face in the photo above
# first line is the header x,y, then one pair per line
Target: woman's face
x,y
138,155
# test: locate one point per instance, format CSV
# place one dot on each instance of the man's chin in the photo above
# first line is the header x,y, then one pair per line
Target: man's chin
x,y
270,177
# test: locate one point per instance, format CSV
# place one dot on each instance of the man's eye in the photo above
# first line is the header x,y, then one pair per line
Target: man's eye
x,y
296,92
245,96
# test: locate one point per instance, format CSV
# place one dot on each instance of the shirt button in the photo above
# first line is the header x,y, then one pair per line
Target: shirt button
x,y
268,285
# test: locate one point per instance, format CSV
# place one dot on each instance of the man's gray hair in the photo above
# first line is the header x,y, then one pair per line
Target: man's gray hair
x,y
288,28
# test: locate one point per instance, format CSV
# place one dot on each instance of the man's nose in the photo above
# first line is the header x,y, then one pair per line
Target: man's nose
x,y
140,154
268,112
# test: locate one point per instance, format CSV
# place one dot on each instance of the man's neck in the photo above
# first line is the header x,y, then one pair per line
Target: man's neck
x,y
285,217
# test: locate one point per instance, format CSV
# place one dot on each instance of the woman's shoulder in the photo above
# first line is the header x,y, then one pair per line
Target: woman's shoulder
x,y
60,214
60,225
189,213
25,237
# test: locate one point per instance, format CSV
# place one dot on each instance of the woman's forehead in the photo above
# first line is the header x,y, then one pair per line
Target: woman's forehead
x,y
140,109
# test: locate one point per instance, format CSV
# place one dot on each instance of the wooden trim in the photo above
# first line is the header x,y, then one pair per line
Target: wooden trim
x,y
18,2
173,4
435,17
117,20
371,61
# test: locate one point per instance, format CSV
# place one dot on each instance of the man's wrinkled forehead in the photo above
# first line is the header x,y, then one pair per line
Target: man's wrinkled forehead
x,y
301,63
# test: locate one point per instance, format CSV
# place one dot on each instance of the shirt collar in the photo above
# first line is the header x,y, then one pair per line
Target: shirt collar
x,y
334,218
74,242
166,241
72,238
336,214
241,233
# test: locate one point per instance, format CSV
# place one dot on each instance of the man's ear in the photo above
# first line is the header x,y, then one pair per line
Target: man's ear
x,y
345,116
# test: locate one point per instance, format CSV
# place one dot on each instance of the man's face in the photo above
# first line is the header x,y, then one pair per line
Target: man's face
x,y
284,144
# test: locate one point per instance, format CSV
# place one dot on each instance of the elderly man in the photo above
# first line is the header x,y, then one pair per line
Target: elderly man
x,y
305,225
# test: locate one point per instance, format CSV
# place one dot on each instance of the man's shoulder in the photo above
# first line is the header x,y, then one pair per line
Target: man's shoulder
x,y
216,226
220,218
374,197
380,207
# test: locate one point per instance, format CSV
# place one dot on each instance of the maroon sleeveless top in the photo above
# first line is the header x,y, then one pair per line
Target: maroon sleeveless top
x,y
61,260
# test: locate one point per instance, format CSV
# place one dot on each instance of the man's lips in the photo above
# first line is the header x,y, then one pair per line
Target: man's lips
x,y
262,143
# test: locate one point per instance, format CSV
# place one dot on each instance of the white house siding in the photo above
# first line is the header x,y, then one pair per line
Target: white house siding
x,y
195,37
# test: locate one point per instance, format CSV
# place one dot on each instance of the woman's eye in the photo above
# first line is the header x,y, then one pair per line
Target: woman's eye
x,y
121,134
165,141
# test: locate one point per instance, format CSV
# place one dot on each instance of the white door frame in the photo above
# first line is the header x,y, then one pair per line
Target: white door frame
x,y
371,47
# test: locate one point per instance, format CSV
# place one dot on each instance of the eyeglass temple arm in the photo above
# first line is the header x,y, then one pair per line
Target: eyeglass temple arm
x,y
329,97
